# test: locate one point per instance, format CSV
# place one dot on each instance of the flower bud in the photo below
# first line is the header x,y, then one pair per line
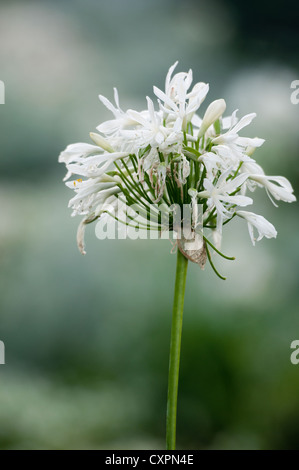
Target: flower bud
x,y
101,142
214,111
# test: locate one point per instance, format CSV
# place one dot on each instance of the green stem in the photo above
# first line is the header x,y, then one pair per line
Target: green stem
x,y
175,349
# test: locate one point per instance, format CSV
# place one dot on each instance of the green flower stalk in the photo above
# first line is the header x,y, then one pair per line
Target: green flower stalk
x,y
172,168
175,350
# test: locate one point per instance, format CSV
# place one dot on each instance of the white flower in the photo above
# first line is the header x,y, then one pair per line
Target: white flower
x,y
277,186
122,120
213,163
264,228
96,165
90,193
233,148
108,203
231,155
179,105
74,152
229,121
221,193
252,168
232,133
150,130
171,154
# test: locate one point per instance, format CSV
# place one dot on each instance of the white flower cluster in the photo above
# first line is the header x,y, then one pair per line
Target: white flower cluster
x,y
170,155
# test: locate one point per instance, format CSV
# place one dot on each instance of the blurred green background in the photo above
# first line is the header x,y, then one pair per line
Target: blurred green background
x,y
87,338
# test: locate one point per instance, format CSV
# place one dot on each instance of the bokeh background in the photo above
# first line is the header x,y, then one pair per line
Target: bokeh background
x,y
87,338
